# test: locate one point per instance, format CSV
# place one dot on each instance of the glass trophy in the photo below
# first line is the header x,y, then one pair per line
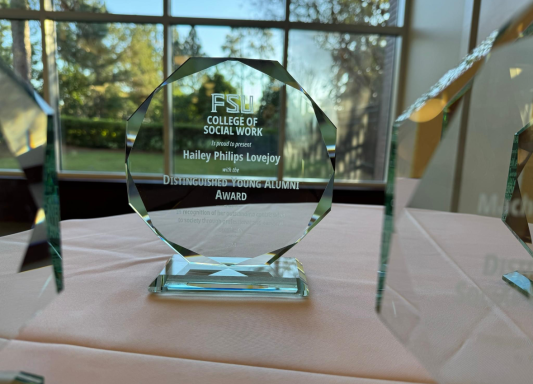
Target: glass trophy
x,y
20,378
251,174
458,216
31,269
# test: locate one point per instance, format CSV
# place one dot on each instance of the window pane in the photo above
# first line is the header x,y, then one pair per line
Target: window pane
x,y
20,48
251,43
370,12
128,7
230,9
350,77
19,4
105,72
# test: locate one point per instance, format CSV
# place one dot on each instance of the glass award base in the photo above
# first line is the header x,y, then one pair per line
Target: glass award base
x,y
283,278
522,281
20,378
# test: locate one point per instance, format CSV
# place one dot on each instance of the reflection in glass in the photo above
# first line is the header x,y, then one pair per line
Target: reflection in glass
x,y
230,9
190,41
369,12
192,107
135,7
350,76
105,71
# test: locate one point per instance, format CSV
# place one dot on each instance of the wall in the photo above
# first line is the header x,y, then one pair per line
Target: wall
x,y
437,41
494,13
439,34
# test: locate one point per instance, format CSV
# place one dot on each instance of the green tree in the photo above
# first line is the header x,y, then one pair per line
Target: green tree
x,y
20,30
107,70
372,12
26,49
6,54
80,6
356,74
253,43
188,46
195,106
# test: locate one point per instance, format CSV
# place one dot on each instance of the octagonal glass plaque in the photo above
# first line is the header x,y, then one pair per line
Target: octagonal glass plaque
x,y
252,173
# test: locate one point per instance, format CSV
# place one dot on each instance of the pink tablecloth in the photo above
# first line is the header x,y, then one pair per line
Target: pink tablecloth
x,y
106,328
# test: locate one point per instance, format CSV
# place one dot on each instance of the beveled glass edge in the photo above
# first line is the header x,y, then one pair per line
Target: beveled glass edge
x,y
158,284
194,65
19,377
521,281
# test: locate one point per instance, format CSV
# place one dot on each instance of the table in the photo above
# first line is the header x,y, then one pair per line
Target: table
x,y
106,328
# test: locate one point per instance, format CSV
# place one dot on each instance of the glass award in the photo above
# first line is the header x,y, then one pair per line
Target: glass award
x,y
20,378
252,174
458,216
31,269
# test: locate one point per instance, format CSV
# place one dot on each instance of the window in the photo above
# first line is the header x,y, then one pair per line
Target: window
x,y
104,57
253,43
369,12
344,73
21,48
106,70
19,4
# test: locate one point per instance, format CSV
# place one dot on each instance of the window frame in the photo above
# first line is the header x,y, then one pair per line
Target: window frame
x,y
48,17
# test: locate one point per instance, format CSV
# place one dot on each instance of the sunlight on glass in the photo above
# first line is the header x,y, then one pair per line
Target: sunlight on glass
x,y
105,72
370,12
350,77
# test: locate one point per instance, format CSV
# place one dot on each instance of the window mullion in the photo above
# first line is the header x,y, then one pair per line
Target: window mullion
x,y
50,74
168,137
283,98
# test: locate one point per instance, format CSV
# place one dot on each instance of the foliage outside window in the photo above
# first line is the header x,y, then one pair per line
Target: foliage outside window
x,y
105,70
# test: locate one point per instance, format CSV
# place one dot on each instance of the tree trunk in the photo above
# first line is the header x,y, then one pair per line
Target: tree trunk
x,y
20,30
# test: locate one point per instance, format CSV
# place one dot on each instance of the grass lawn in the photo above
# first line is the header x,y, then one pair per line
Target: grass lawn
x,y
106,160
6,160
8,163
97,160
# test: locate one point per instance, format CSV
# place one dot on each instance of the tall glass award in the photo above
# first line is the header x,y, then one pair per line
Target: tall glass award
x,y
252,174
30,264
459,216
